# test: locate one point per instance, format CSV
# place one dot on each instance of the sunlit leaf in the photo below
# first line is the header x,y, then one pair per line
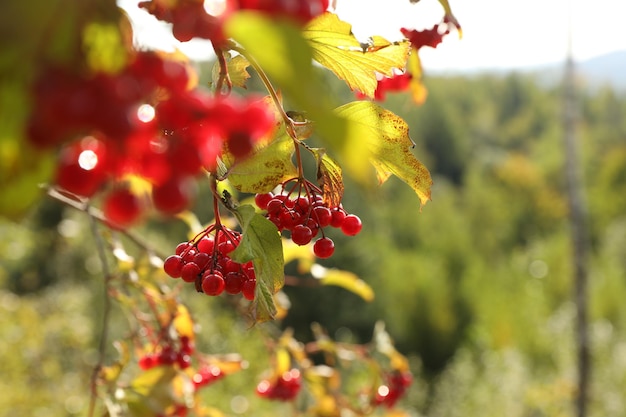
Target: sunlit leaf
x,y
386,136
183,323
270,166
329,177
261,244
282,362
104,47
303,254
282,52
228,364
237,71
344,279
335,47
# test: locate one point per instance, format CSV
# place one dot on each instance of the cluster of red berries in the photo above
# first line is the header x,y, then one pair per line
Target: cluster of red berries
x,y
284,387
169,355
301,11
204,261
181,356
397,384
205,19
142,121
305,215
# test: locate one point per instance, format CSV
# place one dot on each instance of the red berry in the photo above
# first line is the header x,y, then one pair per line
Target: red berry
x,y
324,247
81,169
249,289
182,247
274,206
234,282
121,207
173,266
213,283
174,196
337,217
239,144
190,272
301,235
146,362
202,260
323,216
261,200
289,219
351,225
206,244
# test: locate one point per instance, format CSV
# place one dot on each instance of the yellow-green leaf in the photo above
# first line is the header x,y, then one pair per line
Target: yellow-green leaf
x,y
344,279
335,47
237,71
270,165
282,52
386,136
183,323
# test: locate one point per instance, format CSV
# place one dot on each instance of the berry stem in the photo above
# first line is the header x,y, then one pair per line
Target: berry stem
x,y
96,214
224,78
291,131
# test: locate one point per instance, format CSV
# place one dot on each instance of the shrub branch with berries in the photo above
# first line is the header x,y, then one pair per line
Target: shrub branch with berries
x,y
131,132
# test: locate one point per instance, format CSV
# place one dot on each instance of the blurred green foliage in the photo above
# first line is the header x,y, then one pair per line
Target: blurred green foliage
x,y
476,288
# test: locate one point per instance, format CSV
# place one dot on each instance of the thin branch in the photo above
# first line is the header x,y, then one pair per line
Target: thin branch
x,y
96,214
291,131
105,313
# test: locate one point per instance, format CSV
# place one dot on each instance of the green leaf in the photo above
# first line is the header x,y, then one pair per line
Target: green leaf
x,y
344,279
261,244
335,47
270,165
386,136
329,177
286,58
281,52
236,68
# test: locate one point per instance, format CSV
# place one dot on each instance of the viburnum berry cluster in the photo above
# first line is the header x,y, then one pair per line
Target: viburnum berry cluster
x,y
169,353
180,355
397,384
300,209
205,19
283,387
143,122
205,261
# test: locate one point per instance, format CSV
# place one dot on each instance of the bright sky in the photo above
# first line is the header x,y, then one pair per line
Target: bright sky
x,y
496,33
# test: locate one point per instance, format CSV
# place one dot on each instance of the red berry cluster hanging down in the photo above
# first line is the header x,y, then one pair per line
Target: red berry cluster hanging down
x,y
283,388
169,353
205,18
181,354
204,261
300,209
125,127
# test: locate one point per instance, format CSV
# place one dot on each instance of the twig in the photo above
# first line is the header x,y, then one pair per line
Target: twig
x,y
105,313
96,214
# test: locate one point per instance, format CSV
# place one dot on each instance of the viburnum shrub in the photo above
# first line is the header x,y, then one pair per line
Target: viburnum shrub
x,y
135,138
